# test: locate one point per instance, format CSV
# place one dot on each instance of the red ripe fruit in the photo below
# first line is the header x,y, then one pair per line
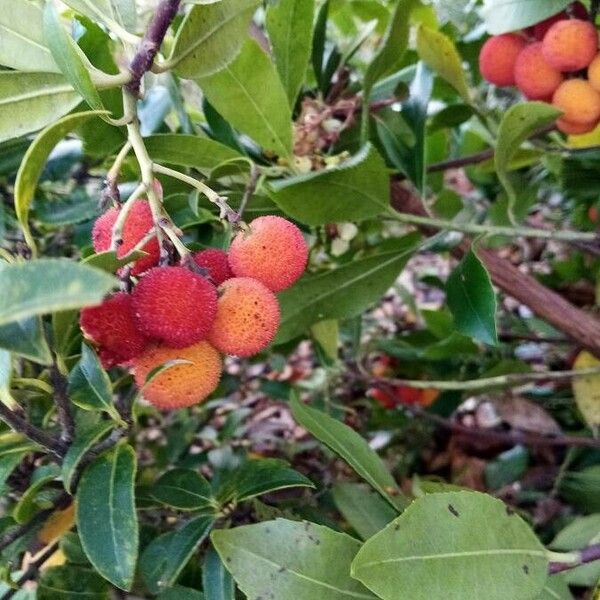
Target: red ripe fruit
x,y
247,317
137,225
273,251
175,305
216,263
539,30
112,327
498,57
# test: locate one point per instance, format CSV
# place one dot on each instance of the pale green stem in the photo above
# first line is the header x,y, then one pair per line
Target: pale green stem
x,y
117,230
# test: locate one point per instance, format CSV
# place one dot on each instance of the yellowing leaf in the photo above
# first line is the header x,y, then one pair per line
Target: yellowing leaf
x,y
585,140
586,390
55,560
60,522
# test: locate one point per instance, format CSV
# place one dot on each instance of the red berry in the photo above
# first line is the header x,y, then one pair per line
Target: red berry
x,y
175,305
498,56
215,262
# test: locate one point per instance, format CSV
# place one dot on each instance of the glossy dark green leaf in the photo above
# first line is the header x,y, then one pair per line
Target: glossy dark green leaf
x,y
301,561
71,583
22,44
178,592
26,338
364,510
8,464
260,476
290,29
27,505
194,151
441,540
217,583
89,384
49,97
183,489
472,300
211,36
318,45
108,261
81,444
502,16
355,190
343,292
351,447
106,517
164,558
48,285
250,95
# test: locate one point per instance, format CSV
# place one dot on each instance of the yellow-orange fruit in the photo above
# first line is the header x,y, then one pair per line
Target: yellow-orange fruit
x,y
183,384
570,45
498,56
247,317
272,251
575,128
534,75
593,73
578,100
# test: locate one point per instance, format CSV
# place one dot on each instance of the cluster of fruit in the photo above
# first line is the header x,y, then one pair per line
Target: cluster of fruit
x,y
555,61
187,316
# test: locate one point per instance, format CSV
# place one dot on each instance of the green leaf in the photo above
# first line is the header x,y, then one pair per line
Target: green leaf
x,y
439,53
89,385
48,97
344,292
358,189
106,517
472,300
108,261
70,57
164,558
79,448
34,160
301,561
556,588
518,123
26,338
28,505
8,464
71,583
389,56
193,151
256,477
290,29
217,583
210,37
327,335
48,285
472,533
502,16
113,13
250,95
350,446
183,489
5,377
364,510
178,592
22,44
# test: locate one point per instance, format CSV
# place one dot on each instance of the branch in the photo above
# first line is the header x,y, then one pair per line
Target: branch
x,y
63,404
587,555
150,44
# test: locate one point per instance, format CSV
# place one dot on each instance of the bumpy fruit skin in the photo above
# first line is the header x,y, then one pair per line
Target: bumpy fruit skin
x,y
112,327
175,306
216,263
593,73
498,56
247,317
273,251
183,384
137,225
574,128
570,45
579,101
534,75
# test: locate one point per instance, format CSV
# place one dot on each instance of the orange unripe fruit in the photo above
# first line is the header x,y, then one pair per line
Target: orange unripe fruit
x,y
247,317
579,101
216,263
112,327
498,56
534,75
175,306
180,385
575,128
138,224
570,45
272,251
593,73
